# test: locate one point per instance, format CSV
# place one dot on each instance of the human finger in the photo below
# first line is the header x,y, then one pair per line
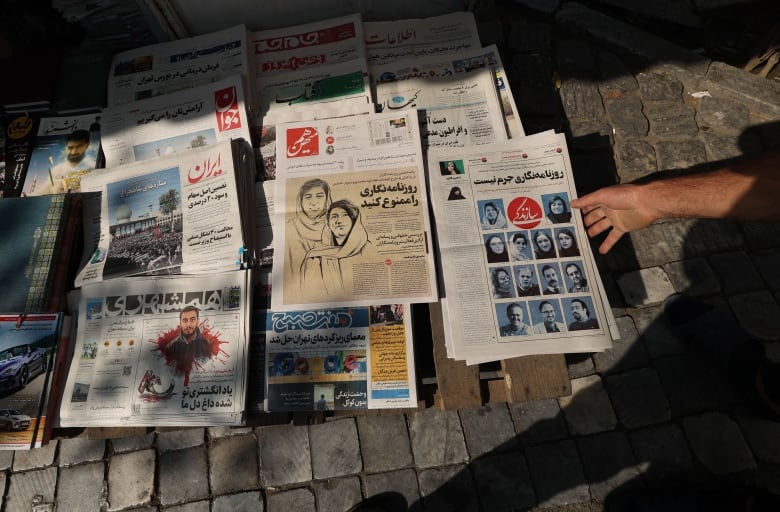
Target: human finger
x,y
598,227
593,217
610,241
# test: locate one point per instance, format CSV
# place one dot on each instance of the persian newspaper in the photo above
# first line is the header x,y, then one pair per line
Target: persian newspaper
x,y
170,124
184,214
351,223
340,359
160,351
313,44
449,65
410,38
171,66
459,111
505,227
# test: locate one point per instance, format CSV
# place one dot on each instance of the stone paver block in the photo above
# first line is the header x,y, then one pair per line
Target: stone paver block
x,y
636,159
6,459
588,409
226,431
437,438
574,57
81,487
692,385
132,443
657,87
718,443
538,421
131,479
183,476
609,464
663,454
736,272
557,474
180,439
403,482
705,237
335,449
757,312
197,506
763,436
638,398
591,135
503,480
25,486
581,99
627,352
680,154
724,147
693,276
34,459
233,464
579,365
448,488
754,89
767,263
249,501
728,117
285,456
671,120
626,114
384,442
645,286
616,78
657,335
338,493
79,449
761,235
299,500
488,428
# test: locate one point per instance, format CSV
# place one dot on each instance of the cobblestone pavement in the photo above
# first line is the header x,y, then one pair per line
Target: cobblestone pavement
x,y
648,416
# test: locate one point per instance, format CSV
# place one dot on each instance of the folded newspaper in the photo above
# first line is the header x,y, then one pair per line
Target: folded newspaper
x,y
190,213
519,276
165,351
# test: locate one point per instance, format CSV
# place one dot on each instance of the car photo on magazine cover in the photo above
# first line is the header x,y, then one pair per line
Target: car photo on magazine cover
x,y
19,365
13,419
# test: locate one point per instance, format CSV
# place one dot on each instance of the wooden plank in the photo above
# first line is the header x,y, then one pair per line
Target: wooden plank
x,y
536,377
458,384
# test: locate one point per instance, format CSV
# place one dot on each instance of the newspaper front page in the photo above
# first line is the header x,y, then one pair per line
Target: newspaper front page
x,y
455,112
410,38
160,351
171,66
351,223
173,123
340,359
519,277
173,215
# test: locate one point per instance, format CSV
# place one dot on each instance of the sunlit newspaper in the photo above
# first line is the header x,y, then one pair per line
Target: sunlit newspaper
x,y
449,65
171,66
313,44
340,359
184,214
505,227
160,351
458,111
173,123
408,38
351,223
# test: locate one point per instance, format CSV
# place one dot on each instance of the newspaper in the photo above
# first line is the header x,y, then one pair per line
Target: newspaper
x,y
351,219
340,359
172,123
66,148
448,65
171,66
458,111
188,214
313,44
391,40
505,228
160,351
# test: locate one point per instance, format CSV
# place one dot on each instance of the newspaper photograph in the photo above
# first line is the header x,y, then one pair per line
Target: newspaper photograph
x,y
171,66
351,221
455,112
402,39
175,215
448,65
173,123
160,351
504,223
66,148
340,359
313,44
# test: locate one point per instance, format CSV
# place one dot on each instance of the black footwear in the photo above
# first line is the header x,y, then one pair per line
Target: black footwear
x,y
384,502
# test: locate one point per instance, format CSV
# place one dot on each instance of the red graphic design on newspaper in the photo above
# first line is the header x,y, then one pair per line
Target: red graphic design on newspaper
x,y
227,111
302,142
524,212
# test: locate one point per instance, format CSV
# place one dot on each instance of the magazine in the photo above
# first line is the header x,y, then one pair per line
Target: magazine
x,y
350,218
172,123
503,219
183,214
340,359
160,351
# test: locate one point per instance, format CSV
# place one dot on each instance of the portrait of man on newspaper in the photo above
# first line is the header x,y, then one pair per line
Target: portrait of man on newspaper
x,y
189,344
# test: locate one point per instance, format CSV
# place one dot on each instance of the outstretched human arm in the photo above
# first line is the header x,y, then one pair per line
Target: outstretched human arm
x,y
747,190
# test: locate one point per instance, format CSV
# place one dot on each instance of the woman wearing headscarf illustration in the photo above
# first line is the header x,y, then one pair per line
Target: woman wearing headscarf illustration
x,y
492,216
304,230
557,211
327,268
